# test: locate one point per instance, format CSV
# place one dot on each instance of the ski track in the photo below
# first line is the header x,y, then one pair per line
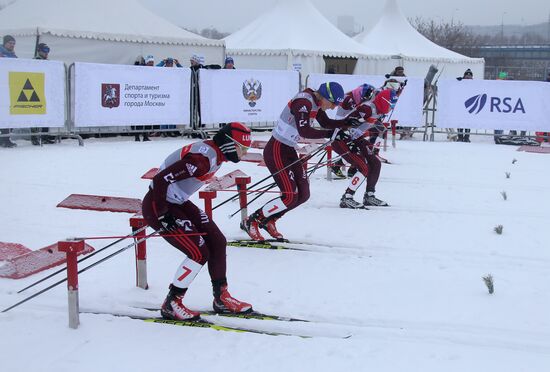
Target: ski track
x,y
370,328
425,202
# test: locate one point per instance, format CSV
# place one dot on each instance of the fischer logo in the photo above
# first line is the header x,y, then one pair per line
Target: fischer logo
x,y
495,104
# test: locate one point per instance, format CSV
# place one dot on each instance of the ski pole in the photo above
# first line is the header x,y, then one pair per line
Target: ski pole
x,y
307,157
311,170
84,258
266,188
80,271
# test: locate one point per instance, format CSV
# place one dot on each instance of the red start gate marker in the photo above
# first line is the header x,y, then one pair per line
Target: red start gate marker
x,y
18,261
101,203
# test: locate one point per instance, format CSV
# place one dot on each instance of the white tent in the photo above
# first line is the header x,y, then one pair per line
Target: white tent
x,y
101,31
393,35
295,35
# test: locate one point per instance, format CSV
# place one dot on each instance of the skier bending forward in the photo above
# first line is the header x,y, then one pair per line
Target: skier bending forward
x,y
281,157
167,208
370,105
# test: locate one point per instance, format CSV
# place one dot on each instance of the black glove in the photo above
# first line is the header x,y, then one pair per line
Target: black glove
x,y
343,136
352,122
168,222
403,83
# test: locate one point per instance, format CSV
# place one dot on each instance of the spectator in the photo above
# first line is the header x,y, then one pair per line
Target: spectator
x,y
7,50
42,52
140,61
464,134
149,61
195,62
398,71
169,62
229,64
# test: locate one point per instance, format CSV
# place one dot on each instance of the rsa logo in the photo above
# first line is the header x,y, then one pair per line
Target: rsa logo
x,y
495,104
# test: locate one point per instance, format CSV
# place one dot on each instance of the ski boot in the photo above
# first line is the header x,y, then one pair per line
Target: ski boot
x,y
252,226
271,228
351,171
370,199
347,201
173,307
337,169
225,303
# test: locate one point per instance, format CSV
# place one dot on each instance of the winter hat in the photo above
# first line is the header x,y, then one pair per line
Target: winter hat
x,y
43,47
8,38
149,58
229,60
196,58
228,136
332,91
362,93
468,72
385,101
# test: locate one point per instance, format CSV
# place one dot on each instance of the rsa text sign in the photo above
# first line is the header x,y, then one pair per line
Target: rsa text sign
x,y
486,104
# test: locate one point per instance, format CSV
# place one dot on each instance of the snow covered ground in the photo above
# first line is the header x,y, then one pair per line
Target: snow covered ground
x,y
405,282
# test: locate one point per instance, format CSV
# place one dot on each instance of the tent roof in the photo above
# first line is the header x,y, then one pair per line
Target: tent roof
x,y
293,26
120,20
394,35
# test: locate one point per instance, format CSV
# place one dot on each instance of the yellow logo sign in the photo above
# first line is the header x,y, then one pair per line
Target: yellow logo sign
x,y
27,93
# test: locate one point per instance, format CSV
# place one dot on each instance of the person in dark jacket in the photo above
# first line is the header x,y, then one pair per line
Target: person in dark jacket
x,y
7,50
464,134
42,53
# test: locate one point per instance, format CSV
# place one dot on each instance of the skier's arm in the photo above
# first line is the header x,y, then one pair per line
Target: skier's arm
x,y
301,109
329,123
191,165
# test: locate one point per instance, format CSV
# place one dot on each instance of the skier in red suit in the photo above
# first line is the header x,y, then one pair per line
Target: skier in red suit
x,y
281,158
167,208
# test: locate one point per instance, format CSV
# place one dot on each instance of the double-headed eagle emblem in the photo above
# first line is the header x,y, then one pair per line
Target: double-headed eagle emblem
x,y
252,91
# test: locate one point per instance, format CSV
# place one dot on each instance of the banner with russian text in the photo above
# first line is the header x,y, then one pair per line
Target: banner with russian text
x,y
493,104
245,95
32,93
409,107
119,95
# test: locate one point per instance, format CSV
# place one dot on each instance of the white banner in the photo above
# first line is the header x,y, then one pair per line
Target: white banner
x,y
493,104
245,95
119,95
409,107
32,93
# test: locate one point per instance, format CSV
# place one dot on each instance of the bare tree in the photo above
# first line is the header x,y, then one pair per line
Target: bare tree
x,y
450,35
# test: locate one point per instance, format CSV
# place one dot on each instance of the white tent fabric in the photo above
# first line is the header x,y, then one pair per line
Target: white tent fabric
x,y
393,35
294,35
102,31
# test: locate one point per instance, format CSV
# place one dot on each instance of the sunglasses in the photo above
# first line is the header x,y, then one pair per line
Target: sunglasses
x,y
45,50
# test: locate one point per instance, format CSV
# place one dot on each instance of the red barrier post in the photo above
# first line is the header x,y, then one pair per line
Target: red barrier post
x,y
71,248
208,196
241,189
393,132
137,222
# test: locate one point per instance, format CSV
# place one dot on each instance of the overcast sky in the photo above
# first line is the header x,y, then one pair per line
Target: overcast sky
x,y
230,15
